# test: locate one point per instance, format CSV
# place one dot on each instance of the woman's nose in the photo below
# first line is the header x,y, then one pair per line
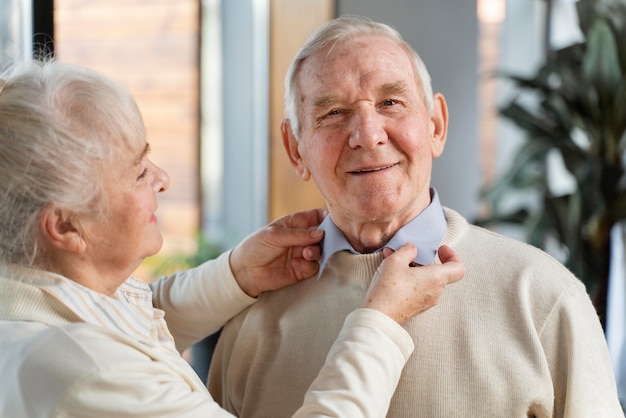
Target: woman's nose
x,y
161,180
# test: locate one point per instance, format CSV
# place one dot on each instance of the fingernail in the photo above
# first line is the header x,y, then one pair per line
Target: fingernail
x,y
316,233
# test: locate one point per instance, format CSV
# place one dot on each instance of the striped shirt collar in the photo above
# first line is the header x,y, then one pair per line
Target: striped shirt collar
x,y
425,231
129,311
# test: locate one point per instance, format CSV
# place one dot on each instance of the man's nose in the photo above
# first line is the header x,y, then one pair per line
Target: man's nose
x,y
367,130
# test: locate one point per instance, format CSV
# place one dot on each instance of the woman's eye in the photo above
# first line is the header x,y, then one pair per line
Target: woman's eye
x,y
143,174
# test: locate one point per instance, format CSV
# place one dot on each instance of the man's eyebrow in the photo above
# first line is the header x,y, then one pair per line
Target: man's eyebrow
x,y
393,88
323,102
396,88
143,153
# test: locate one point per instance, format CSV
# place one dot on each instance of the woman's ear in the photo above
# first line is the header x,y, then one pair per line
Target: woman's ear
x,y
293,153
60,230
439,125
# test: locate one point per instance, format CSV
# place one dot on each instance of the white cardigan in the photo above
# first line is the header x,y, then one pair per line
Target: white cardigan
x,y
54,363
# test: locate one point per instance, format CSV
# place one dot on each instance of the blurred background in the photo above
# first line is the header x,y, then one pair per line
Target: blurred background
x,y
208,77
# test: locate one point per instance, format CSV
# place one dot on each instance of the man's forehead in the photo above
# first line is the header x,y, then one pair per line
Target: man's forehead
x,y
377,65
344,50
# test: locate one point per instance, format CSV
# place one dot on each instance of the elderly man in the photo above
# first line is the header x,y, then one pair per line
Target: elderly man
x,y
517,337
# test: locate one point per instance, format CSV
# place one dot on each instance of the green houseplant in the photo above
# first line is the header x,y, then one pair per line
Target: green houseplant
x,y
579,111
162,264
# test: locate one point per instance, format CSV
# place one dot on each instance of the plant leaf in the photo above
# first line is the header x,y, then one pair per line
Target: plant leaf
x,y
601,62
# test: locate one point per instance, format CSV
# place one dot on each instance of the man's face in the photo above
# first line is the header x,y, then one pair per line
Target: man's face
x,y
367,138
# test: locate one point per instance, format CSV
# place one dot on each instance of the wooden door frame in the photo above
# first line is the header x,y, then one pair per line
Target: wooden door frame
x,y
291,23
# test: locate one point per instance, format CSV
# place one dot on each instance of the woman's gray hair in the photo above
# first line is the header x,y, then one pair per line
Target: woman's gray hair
x,y
60,125
338,30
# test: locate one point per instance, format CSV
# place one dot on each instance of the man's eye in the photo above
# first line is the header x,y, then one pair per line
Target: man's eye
x,y
334,112
389,102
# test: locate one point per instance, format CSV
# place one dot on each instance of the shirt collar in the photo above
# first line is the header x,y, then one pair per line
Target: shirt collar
x,y
130,311
425,231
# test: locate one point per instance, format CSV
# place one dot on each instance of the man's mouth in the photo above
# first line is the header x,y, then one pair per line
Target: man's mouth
x,y
371,170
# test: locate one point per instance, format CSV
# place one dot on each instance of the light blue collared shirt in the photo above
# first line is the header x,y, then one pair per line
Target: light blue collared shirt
x,y
425,231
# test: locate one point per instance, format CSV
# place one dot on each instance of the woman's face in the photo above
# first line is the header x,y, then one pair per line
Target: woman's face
x,y
129,231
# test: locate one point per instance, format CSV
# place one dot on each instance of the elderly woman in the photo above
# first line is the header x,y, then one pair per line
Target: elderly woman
x,y
81,337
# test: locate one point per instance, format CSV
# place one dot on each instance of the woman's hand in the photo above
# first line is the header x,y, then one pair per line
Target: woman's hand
x,y
401,291
279,254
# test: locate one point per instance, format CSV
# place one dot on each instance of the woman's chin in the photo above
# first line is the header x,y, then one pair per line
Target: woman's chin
x,y
155,247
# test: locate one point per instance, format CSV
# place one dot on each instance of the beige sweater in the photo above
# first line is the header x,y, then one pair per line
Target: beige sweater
x,y
516,337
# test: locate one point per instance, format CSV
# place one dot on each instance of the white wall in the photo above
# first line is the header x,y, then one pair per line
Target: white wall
x,y
235,188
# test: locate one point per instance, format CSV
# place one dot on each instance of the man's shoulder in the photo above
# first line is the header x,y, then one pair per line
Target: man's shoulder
x,y
481,246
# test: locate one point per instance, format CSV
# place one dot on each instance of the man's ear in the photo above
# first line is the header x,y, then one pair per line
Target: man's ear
x,y
293,153
439,125
60,230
